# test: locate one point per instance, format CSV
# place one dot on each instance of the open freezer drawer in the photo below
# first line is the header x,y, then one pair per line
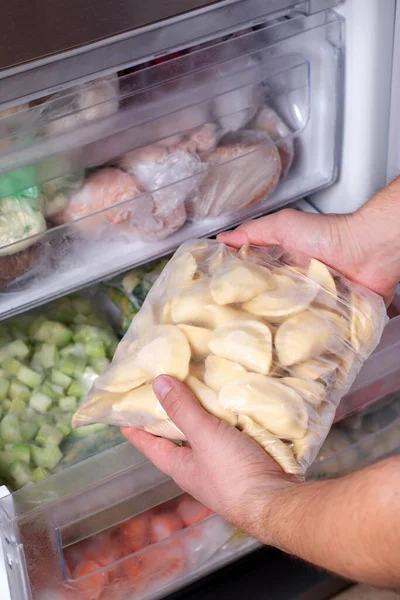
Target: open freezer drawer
x,y
40,524
76,222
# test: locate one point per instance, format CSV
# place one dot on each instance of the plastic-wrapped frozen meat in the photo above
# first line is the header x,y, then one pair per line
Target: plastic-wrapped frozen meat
x,y
108,187
268,120
91,101
171,176
267,341
243,170
21,218
234,109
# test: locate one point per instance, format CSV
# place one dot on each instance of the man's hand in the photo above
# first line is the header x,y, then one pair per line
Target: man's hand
x,y
363,246
350,525
221,467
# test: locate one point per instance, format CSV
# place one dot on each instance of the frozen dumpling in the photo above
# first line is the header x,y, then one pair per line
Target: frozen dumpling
x,y
240,283
143,408
311,391
209,400
290,296
248,343
167,353
281,453
220,371
320,368
198,338
362,324
306,336
124,377
275,406
199,309
319,273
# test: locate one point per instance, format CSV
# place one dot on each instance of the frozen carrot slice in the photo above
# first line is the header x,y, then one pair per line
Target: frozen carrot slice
x,y
92,586
191,511
156,566
163,525
104,550
135,533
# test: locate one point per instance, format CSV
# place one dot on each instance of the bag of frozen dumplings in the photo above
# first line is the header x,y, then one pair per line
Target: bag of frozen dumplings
x,y
267,341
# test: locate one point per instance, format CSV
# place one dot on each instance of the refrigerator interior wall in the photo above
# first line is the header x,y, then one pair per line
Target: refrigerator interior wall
x,y
369,35
294,65
92,499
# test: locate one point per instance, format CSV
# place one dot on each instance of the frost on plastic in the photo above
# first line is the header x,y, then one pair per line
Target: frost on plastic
x,y
267,341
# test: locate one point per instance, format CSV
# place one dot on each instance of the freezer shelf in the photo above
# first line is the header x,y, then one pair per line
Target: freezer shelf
x,y
293,66
104,491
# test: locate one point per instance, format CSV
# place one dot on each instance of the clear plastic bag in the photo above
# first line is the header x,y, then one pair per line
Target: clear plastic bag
x,y
267,341
243,169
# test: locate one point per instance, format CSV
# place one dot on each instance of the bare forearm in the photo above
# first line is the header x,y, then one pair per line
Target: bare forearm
x,y
350,525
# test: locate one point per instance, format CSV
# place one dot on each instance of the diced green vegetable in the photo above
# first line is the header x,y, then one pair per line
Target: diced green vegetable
x,y
30,377
20,472
29,430
6,459
35,326
60,378
40,402
53,332
17,349
17,406
4,387
68,404
6,404
47,356
74,350
95,349
48,435
10,430
11,366
77,389
65,430
47,457
19,390
39,473
21,452
48,389
99,364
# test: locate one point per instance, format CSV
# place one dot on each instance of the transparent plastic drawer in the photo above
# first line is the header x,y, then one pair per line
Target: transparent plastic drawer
x,y
98,181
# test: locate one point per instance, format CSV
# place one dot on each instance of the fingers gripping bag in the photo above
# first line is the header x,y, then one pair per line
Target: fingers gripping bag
x,y
267,341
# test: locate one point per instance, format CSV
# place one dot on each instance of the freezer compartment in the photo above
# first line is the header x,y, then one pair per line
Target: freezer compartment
x,y
230,131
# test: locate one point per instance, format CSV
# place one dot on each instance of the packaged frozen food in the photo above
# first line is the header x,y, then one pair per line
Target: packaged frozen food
x,y
129,292
101,190
73,107
269,121
243,169
48,362
171,175
21,221
222,321
142,555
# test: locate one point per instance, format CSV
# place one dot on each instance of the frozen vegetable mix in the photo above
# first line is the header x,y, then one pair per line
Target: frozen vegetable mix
x,y
48,362
267,341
